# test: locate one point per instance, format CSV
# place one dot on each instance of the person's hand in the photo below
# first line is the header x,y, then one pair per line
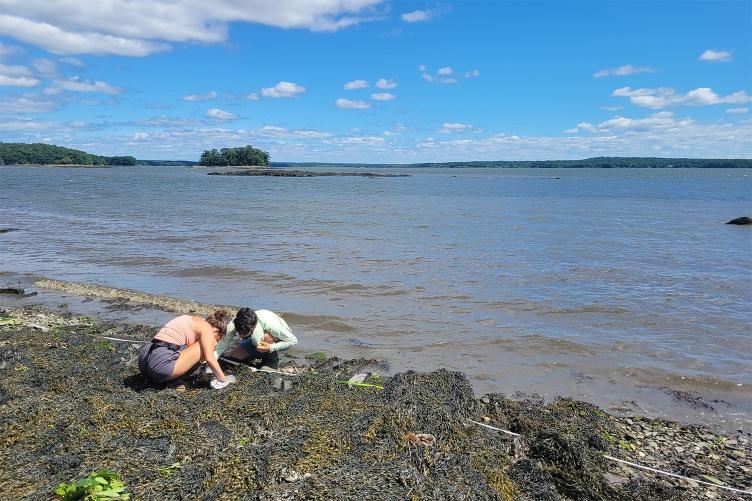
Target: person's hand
x,y
263,347
268,338
218,385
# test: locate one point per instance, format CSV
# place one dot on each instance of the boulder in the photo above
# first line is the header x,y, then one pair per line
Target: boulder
x,y
741,220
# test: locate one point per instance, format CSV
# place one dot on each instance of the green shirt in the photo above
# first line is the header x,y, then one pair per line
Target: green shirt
x,y
267,322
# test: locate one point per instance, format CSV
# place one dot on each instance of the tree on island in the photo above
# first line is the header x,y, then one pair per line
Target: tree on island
x,y
244,155
49,154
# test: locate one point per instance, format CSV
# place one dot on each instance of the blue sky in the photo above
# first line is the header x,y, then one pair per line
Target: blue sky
x,y
378,81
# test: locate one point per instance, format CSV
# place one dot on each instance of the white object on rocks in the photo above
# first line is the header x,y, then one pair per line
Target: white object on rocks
x,y
218,385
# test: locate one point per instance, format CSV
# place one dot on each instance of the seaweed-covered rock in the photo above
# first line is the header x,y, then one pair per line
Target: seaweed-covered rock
x,y
72,402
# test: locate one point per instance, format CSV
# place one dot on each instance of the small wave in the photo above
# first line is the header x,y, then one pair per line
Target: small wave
x,y
538,344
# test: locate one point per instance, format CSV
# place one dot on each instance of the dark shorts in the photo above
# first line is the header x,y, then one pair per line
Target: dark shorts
x,y
157,363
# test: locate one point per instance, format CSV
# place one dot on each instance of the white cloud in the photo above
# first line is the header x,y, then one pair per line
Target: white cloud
x,y
659,120
7,50
13,70
17,125
356,84
737,110
472,74
622,71
720,56
142,27
612,108
45,66
283,89
75,84
383,96
26,104
448,127
72,61
663,97
418,16
200,97
253,96
442,75
382,83
353,105
18,81
220,114
57,41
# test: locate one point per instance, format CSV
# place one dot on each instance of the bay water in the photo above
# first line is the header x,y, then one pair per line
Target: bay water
x,y
622,287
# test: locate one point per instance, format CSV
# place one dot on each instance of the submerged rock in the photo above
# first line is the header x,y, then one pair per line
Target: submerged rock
x,y
741,221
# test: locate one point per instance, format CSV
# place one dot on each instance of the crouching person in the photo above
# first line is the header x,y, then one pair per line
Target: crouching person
x,y
181,345
263,334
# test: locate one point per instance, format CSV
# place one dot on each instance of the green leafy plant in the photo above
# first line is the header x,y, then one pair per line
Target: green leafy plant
x,y
627,446
98,486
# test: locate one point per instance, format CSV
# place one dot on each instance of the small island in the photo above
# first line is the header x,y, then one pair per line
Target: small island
x,y
248,156
242,156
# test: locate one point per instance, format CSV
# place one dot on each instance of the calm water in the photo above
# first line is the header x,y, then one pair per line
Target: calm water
x,y
616,286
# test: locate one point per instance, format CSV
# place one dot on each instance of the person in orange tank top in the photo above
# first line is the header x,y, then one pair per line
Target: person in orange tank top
x,y
181,344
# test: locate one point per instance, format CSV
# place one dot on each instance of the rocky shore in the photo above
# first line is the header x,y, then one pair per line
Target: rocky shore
x,y
72,401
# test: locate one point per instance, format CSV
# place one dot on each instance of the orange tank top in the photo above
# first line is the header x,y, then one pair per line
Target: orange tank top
x,y
178,331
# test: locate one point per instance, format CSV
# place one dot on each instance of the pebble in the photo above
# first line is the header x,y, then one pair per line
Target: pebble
x,y
485,400
486,419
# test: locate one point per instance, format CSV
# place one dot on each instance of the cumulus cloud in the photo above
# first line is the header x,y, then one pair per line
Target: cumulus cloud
x,y
45,66
142,27
442,75
663,97
418,16
75,84
253,96
26,104
356,84
472,74
383,83
622,71
200,97
660,120
220,114
449,127
383,96
283,89
737,110
57,41
720,56
18,81
13,70
72,61
353,105
7,50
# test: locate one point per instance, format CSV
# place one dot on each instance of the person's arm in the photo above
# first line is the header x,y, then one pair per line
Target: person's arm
x,y
226,340
208,342
280,330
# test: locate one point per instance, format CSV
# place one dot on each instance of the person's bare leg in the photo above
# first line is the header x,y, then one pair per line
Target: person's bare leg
x,y
187,360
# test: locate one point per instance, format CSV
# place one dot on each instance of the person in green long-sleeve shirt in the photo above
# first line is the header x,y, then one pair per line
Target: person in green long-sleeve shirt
x,y
263,334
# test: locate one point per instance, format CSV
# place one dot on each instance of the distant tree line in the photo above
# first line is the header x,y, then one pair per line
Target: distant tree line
x,y
49,154
592,163
244,155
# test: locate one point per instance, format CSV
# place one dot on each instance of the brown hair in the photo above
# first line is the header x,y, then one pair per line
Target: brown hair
x,y
219,320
